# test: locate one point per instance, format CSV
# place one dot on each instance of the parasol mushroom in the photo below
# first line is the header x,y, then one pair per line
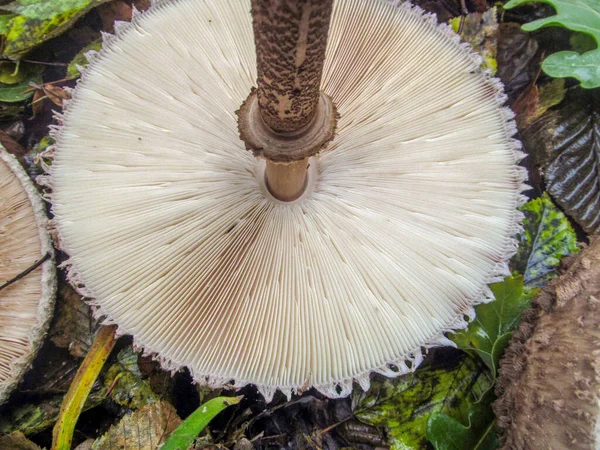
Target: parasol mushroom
x,y
550,374
27,274
291,268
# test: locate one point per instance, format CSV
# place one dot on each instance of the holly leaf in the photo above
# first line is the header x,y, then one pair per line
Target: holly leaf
x,y
404,405
565,143
31,22
576,15
546,238
478,433
490,331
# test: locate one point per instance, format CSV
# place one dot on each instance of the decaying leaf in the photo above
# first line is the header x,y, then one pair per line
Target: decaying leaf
x,y
74,326
403,405
565,143
145,428
31,22
80,60
480,30
32,418
489,333
546,238
56,94
17,441
125,383
576,15
517,57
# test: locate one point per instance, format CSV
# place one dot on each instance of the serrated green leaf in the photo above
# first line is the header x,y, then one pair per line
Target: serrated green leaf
x,y
32,22
191,427
546,238
403,405
489,333
478,433
576,15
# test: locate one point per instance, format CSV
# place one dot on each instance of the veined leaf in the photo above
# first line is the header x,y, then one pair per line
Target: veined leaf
x,y
145,428
576,15
565,143
478,433
547,237
403,405
489,333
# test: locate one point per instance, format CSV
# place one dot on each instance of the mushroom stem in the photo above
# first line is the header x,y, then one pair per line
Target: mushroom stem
x,y
287,119
286,182
290,37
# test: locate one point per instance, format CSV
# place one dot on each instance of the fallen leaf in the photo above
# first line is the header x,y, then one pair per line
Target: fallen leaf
x,y
80,60
31,22
488,334
74,326
404,405
546,238
145,428
17,441
11,145
125,384
565,143
477,433
56,94
517,57
480,30
526,105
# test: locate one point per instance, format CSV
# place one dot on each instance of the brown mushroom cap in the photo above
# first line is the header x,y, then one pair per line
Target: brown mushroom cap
x,y
407,216
549,384
26,305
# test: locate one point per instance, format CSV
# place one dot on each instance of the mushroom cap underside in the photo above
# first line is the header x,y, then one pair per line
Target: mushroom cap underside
x,y
408,214
26,305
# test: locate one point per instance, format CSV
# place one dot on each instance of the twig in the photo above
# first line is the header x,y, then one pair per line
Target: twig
x,y
27,271
463,15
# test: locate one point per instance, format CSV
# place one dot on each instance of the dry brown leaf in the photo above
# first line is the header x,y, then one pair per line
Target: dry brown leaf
x,y
144,429
56,94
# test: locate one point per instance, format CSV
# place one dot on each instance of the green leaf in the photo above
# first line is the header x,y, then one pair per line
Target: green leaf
x,y
576,15
489,333
80,59
479,433
125,379
18,88
191,427
403,405
32,22
547,237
